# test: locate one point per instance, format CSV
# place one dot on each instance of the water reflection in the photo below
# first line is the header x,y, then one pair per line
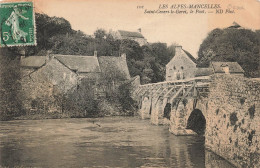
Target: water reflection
x,y
106,142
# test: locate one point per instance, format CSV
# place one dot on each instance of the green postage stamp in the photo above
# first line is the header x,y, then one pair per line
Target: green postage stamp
x,y
17,24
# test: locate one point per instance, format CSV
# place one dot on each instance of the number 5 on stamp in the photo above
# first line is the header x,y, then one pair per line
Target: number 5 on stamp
x,y
17,24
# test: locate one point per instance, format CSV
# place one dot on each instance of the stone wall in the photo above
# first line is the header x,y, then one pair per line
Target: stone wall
x,y
232,129
37,95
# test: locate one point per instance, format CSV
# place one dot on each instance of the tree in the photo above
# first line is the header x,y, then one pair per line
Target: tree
x,y
10,87
161,53
132,49
100,34
240,45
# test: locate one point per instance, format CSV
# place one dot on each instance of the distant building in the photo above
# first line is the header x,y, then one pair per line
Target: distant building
x,y
136,36
229,68
46,77
181,66
232,68
235,25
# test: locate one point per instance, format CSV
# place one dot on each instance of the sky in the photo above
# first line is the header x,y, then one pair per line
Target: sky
x,y
187,30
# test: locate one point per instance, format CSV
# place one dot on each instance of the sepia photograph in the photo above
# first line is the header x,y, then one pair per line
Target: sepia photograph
x,y
129,83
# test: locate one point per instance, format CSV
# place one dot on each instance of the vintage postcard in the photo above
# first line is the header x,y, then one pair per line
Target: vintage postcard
x,y
130,83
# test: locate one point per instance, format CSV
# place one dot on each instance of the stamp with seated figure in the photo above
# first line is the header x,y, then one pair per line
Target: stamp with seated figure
x,y
17,24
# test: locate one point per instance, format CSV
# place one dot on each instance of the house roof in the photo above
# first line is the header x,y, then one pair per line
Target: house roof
x,y
203,72
111,65
80,63
234,25
234,67
190,56
57,74
33,61
130,34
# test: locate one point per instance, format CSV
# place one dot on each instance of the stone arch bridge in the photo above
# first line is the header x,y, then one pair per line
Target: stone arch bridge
x,y
174,103
226,106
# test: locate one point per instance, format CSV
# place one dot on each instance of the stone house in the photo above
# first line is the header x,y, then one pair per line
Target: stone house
x,y
44,78
182,65
136,36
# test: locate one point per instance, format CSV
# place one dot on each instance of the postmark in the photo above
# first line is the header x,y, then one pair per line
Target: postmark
x,y
17,24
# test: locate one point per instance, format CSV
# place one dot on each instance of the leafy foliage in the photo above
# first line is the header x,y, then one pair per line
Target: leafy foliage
x,y
240,45
10,102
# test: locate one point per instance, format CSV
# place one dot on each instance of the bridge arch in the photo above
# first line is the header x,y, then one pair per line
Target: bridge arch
x,y
145,107
167,111
197,122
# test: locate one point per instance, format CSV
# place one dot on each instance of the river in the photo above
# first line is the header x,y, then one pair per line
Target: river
x,y
100,142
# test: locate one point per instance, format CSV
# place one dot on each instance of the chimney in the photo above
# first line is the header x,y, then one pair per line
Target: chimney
x,y
178,49
48,56
95,53
123,56
22,52
140,30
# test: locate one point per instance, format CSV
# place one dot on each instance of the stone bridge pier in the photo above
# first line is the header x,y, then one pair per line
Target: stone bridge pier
x,y
189,117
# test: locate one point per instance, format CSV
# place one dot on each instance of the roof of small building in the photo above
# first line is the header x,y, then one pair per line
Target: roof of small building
x,y
84,64
190,56
234,67
130,34
235,25
112,64
203,72
33,61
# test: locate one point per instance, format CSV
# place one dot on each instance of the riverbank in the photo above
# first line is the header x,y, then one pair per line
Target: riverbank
x,y
102,109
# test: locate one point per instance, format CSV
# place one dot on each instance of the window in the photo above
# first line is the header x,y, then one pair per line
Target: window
x,y
178,76
174,68
182,67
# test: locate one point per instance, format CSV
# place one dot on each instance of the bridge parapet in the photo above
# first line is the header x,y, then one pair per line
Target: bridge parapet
x,y
155,89
153,97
